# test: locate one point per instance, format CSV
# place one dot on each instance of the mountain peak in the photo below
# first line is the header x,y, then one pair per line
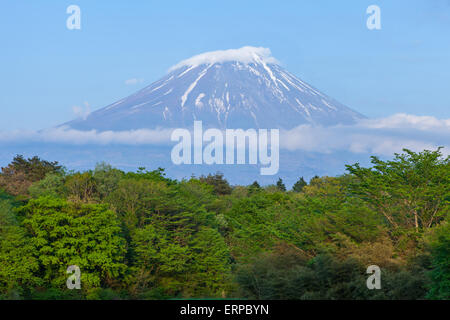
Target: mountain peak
x,y
244,55
237,88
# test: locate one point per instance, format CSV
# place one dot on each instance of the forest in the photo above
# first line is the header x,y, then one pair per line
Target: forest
x,y
142,235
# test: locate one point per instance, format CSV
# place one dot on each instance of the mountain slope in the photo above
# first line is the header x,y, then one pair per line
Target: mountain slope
x,y
242,88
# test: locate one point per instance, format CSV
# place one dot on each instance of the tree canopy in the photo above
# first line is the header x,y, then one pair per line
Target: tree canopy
x,y
142,235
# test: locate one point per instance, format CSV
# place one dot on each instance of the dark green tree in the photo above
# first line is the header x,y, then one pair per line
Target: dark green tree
x,y
299,185
255,185
280,185
314,179
219,183
440,274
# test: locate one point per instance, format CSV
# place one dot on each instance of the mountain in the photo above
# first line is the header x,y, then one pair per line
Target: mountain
x,y
240,88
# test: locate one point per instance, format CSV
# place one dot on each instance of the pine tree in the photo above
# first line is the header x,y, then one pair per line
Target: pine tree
x,y
280,185
299,185
255,185
219,183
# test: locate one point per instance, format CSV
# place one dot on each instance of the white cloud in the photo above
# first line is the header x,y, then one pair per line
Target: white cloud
x,y
383,136
402,120
133,81
70,136
245,55
82,112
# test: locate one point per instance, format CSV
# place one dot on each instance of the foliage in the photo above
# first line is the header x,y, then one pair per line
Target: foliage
x,y
21,173
52,185
413,190
299,185
106,179
289,275
141,235
280,185
18,265
440,247
64,233
191,265
81,187
220,185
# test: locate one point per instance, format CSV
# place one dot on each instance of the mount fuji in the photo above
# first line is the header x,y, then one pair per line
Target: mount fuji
x,y
233,89
238,88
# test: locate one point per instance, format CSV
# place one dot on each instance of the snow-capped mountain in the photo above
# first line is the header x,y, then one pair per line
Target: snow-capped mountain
x,y
242,88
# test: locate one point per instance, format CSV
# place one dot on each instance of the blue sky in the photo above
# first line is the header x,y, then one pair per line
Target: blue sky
x,y
47,69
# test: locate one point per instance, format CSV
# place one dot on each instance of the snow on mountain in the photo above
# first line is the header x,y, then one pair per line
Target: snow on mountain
x,y
244,55
238,88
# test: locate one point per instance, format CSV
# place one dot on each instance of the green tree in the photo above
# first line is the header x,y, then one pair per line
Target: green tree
x,y
159,262
280,185
52,185
287,274
143,235
313,180
106,179
299,185
175,240
82,187
219,183
64,233
410,191
195,265
21,173
136,199
18,264
440,248
254,187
